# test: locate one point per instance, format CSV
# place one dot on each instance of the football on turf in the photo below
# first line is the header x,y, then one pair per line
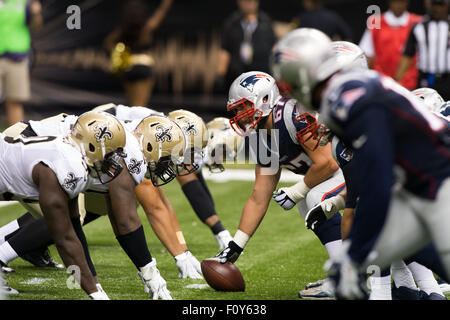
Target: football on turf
x,y
222,276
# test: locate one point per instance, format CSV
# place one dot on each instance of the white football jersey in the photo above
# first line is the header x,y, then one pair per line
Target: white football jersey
x,y
134,113
19,156
134,160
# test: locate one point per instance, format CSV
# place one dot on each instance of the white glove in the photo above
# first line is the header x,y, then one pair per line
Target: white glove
x,y
324,211
194,262
153,282
99,295
348,282
223,238
288,197
186,268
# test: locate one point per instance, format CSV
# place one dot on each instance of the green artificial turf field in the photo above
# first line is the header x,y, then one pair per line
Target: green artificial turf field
x,y
279,260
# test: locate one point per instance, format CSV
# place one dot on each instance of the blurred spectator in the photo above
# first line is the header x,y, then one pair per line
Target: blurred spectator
x,y
384,46
17,18
247,41
327,21
131,44
430,40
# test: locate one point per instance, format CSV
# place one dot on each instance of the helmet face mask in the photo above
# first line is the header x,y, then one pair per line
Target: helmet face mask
x,y
246,116
314,134
163,144
100,138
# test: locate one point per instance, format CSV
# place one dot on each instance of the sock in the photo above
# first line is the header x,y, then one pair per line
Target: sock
x,y
76,223
8,229
7,253
198,198
402,275
333,248
217,227
25,219
135,247
380,287
32,236
429,258
90,217
424,278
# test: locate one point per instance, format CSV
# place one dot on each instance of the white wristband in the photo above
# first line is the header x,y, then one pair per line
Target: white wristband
x,y
298,191
241,238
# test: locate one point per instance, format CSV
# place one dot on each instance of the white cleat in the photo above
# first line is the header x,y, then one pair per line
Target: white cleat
x,y
324,291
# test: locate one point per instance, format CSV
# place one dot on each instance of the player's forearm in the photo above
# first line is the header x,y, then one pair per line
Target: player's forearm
x,y
319,172
252,214
403,66
346,222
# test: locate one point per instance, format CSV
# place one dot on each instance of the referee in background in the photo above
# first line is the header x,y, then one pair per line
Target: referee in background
x,y
430,39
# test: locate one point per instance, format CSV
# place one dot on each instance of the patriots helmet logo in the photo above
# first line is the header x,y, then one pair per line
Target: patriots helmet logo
x,y
250,81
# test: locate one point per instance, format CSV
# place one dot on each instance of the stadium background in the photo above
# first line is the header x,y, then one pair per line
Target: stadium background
x,y
69,68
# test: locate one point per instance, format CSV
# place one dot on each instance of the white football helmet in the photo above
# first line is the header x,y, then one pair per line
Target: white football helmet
x,y
430,97
223,144
297,62
349,55
252,97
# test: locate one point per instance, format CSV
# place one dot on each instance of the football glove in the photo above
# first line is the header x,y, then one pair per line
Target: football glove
x,y
288,197
187,266
348,282
230,253
223,238
153,282
324,211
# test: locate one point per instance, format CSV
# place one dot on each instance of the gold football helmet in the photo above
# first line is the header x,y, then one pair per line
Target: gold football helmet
x,y
163,144
196,133
223,144
100,137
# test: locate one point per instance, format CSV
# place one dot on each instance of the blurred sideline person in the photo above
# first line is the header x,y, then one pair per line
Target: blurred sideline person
x,y
383,46
247,38
346,100
17,19
318,17
130,46
429,39
260,110
54,171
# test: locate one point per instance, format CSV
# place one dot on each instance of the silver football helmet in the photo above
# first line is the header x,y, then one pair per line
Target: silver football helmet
x,y
349,55
297,62
252,97
430,97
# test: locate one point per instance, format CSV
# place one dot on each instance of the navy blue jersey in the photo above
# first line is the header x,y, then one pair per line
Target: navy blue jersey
x,y
283,145
445,109
394,139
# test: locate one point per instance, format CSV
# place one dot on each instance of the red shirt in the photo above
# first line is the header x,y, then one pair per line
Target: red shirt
x,y
388,45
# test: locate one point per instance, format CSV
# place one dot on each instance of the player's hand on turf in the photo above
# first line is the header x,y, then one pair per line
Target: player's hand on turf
x,y
348,282
282,198
230,253
315,216
99,295
153,282
194,262
187,268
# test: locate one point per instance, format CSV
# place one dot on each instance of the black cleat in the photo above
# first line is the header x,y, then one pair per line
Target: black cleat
x,y
42,259
5,268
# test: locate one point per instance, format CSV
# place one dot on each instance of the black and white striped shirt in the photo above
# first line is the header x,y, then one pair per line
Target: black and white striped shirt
x,y
430,39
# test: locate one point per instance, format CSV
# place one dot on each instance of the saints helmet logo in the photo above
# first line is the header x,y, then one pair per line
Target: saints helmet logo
x,y
135,166
70,183
102,133
189,129
163,134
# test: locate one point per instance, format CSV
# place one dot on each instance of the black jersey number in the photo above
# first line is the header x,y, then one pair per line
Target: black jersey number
x,y
29,140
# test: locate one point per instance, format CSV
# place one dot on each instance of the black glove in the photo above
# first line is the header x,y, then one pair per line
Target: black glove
x,y
230,253
314,217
